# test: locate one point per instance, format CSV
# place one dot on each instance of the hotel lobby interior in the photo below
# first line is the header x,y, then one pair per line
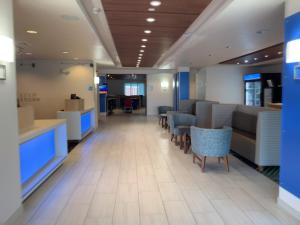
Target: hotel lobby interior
x,y
149,112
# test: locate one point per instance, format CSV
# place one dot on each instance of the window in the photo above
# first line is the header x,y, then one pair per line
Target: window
x,y
134,89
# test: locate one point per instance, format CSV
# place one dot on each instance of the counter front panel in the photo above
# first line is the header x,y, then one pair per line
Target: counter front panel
x,y
36,153
85,122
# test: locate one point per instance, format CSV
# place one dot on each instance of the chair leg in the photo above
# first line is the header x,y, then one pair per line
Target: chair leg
x,y
159,120
181,142
203,164
172,137
176,140
226,160
194,158
219,160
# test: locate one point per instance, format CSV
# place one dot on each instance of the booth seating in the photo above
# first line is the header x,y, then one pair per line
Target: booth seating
x,y
203,112
211,143
180,124
256,131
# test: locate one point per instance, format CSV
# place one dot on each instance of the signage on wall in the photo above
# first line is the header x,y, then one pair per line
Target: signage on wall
x,y
2,72
28,97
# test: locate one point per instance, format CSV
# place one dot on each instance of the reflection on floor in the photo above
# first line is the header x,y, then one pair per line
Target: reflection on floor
x,y
129,173
141,112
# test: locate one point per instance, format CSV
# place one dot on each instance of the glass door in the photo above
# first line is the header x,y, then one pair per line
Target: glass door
x,y
253,93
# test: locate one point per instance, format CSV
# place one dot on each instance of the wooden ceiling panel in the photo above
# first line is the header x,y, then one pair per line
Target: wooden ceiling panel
x,y
127,21
270,53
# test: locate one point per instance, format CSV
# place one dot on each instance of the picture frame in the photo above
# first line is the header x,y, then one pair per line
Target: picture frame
x,y
297,72
2,72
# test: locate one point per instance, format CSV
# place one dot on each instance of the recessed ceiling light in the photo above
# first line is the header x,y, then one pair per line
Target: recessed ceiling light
x,y
238,63
31,31
65,52
151,9
155,3
142,50
147,31
246,61
140,54
143,46
266,56
150,20
28,53
139,57
255,59
279,53
144,40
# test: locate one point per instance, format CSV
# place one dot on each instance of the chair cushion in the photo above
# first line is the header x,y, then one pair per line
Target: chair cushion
x,y
244,122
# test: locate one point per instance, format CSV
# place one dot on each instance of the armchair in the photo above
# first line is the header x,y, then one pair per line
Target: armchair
x,y
211,143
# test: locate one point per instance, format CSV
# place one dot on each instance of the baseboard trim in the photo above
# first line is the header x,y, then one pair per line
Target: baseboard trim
x,y
289,202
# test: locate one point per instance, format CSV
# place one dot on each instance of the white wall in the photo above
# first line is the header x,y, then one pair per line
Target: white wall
x,y
155,95
224,83
51,86
10,194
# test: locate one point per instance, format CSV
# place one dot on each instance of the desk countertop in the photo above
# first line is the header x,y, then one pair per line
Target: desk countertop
x,y
39,127
81,112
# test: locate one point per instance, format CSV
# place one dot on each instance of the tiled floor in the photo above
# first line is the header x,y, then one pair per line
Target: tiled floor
x,y
129,173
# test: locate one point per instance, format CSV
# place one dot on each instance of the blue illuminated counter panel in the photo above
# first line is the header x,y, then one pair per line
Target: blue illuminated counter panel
x,y
79,123
42,150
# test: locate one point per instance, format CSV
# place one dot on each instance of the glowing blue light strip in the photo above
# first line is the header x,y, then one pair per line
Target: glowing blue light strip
x,y
255,76
35,154
85,122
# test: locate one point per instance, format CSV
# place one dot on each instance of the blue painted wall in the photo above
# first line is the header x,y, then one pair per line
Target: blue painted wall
x,y
85,122
290,149
35,154
184,85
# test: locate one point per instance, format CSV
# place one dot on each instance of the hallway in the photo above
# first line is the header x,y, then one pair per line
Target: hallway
x,y
129,173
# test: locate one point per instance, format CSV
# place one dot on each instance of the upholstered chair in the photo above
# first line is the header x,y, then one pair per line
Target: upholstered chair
x,y
162,111
180,124
211,143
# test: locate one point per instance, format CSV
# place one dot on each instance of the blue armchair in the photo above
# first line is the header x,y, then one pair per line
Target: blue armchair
x,y
211,143
162,111
180,124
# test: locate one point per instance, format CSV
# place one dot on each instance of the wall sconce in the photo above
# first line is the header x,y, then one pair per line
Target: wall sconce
x,y
97,80
7,52
164,85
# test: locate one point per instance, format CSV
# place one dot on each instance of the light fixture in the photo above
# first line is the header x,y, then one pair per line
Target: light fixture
x,y
144,40
65,52
31,31
266,56
7,51
279,53
155,3
151,9
255,59
143,46
147,31
139,57
150,20
164,85
142,50
76,58
140,54
246,61
293,51
97,80
238,63
28,53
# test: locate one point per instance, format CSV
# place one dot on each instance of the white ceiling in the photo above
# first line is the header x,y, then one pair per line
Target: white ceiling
x,y
61,26
235,26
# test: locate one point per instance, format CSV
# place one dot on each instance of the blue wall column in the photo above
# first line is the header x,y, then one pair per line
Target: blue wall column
x,y
289,193
182,85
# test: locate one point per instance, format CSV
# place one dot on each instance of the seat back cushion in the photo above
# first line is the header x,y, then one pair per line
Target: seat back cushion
x,y
244,121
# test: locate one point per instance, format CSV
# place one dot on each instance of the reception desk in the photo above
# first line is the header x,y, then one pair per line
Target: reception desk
x,y
43,148
79,123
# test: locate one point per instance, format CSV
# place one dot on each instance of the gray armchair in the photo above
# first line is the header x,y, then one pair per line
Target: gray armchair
x,y
211,143
180,124
162,111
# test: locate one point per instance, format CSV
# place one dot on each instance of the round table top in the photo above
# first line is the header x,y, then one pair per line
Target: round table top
x,y
163,115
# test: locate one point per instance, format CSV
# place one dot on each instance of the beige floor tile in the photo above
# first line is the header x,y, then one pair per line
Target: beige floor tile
x,y
154,219
126,214
102,206
73,214
230,213
150,203
128,193
170,192
262,218
210,218
178,213
197,201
